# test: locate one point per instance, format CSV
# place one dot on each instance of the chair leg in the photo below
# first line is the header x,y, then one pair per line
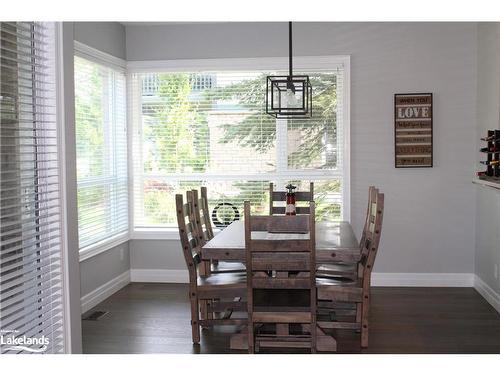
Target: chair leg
x,y
313,337
364,320
251,342
195,324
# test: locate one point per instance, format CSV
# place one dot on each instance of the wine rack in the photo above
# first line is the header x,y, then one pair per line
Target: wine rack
x,y
491,150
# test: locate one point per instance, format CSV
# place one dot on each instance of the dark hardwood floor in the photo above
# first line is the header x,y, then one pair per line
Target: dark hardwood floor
x,y
154,318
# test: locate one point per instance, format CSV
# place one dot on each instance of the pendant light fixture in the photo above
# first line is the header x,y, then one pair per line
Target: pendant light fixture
x,y
289,96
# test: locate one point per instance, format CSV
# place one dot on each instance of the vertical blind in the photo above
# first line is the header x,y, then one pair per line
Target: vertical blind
x,y
101,149
31,284
210,128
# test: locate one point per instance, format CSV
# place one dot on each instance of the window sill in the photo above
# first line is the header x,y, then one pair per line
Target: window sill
x,y
155,234
158,233
102,246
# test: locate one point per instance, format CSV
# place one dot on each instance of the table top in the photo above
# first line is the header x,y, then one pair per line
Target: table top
x,y
335,241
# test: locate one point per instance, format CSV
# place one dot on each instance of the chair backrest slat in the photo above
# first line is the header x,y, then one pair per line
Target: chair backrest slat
x,y
283,245
371,197
191,248
371,234
280,196
200,217
206,213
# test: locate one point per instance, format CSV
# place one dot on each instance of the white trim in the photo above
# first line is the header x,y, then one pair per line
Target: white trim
x,y
423,279
130,145
104,245
95,55
155,233
61,148
346,128
159,276
234,64
487,292
99,294
170,233
316,174
103,58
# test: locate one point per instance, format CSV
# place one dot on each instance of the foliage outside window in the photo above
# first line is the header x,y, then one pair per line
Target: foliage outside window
x,y
101,147
210,129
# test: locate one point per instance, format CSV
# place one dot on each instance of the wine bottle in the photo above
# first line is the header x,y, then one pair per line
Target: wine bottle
x,y
290,200
486,149
491,162
490,138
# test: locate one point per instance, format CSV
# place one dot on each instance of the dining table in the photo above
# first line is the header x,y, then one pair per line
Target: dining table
x,y
335,242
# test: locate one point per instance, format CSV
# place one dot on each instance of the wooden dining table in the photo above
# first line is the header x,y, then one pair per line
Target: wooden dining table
x,y
335,242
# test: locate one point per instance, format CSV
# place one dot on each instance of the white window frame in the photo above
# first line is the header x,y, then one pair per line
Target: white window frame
x,y
264,63
102,58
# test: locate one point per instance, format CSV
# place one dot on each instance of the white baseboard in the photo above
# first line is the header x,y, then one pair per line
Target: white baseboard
x,y
423,279
159,276
99,294
487,292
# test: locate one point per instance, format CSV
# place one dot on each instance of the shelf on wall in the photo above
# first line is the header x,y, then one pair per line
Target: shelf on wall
x,y
489,183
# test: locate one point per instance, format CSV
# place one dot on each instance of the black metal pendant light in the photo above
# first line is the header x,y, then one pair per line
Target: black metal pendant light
x,y
289,96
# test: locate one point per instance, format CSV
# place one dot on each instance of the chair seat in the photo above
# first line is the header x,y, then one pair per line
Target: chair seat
x,y
349,271
225,267
222,285
341,290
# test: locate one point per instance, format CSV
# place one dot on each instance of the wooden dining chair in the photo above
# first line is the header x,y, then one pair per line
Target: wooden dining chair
x,y
349,270
280,257
203,229
339,294
228,290
205,214
280,196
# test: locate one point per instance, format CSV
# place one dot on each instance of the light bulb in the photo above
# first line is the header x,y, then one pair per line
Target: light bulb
x,y
290,99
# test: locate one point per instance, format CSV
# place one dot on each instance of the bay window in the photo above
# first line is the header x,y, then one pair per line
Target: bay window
x,y
101,147
208,127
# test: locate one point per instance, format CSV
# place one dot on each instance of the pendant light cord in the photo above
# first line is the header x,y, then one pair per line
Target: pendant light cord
x,y
290,48
289,84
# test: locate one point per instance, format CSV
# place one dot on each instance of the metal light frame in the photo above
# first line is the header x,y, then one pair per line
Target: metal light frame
x,y
277,87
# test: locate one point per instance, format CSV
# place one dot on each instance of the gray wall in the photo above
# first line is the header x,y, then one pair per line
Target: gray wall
x,y
156,254
429,221
107,37
98,270
487,199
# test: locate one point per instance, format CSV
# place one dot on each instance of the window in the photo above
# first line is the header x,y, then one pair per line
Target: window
x,y
210,128
101,149
31,282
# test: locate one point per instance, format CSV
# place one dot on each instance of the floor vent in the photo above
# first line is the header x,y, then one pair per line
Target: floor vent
x,y
95,315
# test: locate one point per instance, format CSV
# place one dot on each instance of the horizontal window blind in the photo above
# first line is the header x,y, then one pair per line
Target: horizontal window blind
x,y
31,282
210,128
101,149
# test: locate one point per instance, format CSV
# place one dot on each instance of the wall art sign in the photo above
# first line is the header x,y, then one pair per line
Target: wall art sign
x,y
413,130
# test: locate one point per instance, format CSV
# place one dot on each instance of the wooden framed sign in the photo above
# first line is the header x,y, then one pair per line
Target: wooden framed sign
x,y
413,130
